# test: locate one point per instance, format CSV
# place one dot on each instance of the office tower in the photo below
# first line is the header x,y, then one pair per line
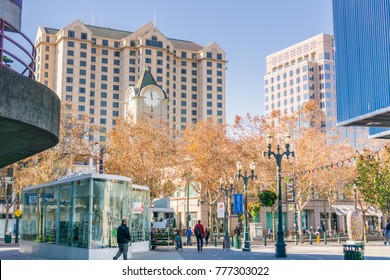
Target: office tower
x,y
303,72
92,67
362,40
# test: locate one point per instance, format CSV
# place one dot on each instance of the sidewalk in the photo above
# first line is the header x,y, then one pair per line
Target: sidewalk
x,y
332,251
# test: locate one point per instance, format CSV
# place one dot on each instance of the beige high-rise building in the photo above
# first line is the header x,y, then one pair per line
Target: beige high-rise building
x,y
302,72
91,68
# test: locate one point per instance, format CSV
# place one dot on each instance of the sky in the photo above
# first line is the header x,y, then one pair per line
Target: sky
x,y
247,30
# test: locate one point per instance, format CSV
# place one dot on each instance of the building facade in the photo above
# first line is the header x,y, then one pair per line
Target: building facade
x,y
303,72
91,68
362,39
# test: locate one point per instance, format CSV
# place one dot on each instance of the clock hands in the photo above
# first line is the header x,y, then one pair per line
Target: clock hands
x,y
151,94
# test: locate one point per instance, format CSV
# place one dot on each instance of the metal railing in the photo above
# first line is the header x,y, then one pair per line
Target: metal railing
x,y
28,67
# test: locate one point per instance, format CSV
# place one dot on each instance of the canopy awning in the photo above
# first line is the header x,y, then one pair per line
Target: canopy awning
x,y
343,210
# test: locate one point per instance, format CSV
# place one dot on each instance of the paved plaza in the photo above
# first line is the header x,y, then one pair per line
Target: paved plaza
x,y
373,251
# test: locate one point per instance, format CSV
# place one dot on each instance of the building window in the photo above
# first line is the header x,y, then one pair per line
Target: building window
x,y
69,61
105,43
83,63
209,112
219,56
70,44
84,36
81,108
209,55
69,88
83,46
70,34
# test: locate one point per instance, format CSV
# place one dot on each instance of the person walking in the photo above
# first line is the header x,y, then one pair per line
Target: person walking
x,y
123,239
206,236
387,232
199,233
237,231
188,234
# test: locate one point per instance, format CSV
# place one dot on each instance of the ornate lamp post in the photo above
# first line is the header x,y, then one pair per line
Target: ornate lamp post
x,y
228,190
247,244
280,244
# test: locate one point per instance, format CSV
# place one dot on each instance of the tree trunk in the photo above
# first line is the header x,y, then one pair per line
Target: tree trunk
x,y
329,218
211,222
364,227
300,226
6,220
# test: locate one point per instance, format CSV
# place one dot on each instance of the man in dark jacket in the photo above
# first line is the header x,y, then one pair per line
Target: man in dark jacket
x,y
123,239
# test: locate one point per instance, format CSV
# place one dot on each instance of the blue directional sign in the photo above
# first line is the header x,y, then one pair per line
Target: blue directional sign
x,y
238,209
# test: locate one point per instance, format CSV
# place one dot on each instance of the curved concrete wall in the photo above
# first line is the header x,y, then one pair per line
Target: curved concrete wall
x,y
11,11
29,117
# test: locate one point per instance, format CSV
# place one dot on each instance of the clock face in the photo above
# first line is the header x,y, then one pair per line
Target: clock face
x,y
152,97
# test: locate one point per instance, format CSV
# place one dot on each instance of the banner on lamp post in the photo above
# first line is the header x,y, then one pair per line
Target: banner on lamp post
x,y
220,210
238,209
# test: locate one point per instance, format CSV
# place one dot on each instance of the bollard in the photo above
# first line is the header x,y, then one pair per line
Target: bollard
x,y
311,239
318,238
296,239
232,241
215,240
325,238
265,240
338,239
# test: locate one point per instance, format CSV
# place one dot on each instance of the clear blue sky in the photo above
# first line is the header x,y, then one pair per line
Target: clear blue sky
x,y
248,31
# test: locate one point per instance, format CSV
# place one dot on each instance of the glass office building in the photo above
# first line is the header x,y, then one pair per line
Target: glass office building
x,y
77,217
362,41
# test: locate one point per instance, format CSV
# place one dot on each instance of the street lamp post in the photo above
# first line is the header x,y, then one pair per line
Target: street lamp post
x,y
280,244
228,190
247,244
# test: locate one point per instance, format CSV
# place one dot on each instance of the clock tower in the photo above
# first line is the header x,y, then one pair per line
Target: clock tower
x,y
146,99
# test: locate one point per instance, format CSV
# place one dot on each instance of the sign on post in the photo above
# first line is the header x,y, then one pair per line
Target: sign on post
x,y
18,212
290,191
238,209
220,210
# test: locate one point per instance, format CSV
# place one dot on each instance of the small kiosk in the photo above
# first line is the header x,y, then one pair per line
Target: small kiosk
x,y
77,217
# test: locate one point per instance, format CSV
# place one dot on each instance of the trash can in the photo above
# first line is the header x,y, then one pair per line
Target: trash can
x,y
8,238
237,242
353,251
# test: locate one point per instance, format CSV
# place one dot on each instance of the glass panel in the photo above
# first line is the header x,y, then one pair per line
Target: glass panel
x,y
80,215
111,204
65,228
29,222
49,211
140,222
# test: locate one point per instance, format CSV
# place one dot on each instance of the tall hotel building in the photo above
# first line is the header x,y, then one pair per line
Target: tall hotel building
x,y
302,72
91,68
